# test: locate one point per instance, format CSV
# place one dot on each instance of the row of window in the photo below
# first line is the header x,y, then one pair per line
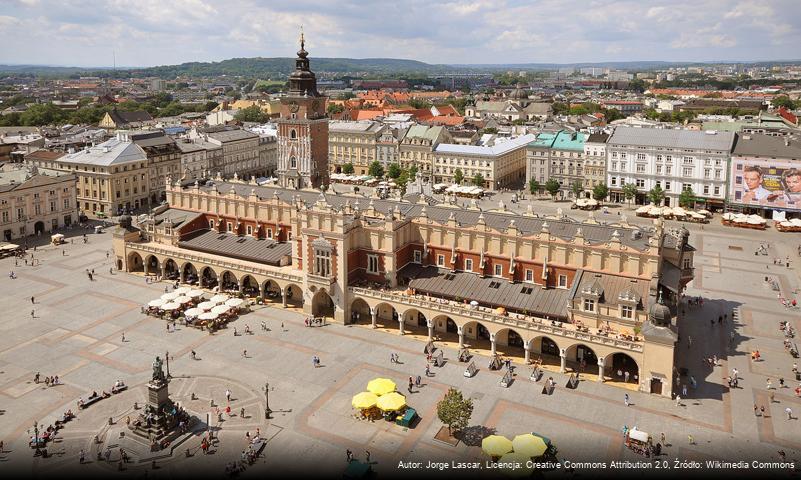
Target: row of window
x,y
229,227
497,269
626,311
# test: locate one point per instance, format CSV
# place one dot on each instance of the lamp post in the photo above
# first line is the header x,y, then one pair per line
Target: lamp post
x,y
267,410
167,357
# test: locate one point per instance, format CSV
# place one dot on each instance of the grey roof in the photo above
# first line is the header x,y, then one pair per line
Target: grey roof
x,y
597,138
122,117
154,141
177,216
489,291
671,276
672,138
564,229
612,286
189,147
499,148
245,248
110,152
756,144
232,135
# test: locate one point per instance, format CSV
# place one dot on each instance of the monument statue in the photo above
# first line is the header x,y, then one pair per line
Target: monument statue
x,y
158,372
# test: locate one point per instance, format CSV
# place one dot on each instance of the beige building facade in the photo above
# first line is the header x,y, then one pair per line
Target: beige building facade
x,y
355,143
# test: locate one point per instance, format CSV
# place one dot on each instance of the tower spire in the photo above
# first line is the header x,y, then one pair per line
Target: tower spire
x,y
302,41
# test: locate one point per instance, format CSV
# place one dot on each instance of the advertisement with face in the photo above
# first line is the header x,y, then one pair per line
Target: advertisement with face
x,y
772,185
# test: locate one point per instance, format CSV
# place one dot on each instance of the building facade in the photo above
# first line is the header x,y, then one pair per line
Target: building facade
x,y
355,143
674,160
241,153
417,148
567,162
595,160
35,203
501,165
163,161
538,158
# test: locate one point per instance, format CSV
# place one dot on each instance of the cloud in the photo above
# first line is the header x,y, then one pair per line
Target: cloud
x,y
154,32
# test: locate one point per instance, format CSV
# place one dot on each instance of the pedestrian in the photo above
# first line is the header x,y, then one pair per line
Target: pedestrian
x,y
428,370
32,301
367,455
789,412
194,355
734,373
411,383
245,353
391,358
349,455
418,381
626,399
33,313
771,396
282,325
242,412
690,439
662,436
756,410
235,334
678,400
684,389
228,394
781,382
689,341
762,410
263,326
82,455
769,385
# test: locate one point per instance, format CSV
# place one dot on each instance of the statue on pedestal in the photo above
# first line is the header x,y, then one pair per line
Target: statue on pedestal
x,y
158,372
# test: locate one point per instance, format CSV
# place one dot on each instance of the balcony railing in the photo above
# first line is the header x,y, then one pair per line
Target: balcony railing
x,y
528,322
205,259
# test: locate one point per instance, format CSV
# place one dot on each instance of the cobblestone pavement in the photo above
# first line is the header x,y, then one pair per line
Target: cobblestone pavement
x,y
76,333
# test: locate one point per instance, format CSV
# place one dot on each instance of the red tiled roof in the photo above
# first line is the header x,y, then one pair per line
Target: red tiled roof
x,y
788,115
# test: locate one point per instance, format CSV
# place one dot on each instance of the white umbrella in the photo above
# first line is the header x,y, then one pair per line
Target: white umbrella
x,y
220,309
170,306
170,296
183,290
474,303
182,300
207,316
195,293
156,303
219,298
234,302
193,312
206,305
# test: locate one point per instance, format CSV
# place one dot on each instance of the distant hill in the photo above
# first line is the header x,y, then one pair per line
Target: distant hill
x,y
280,67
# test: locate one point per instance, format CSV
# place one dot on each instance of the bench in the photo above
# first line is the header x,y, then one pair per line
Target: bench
x,y
119,389
91,401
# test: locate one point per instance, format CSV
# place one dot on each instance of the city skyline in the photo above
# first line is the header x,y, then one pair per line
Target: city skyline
x,y
147,34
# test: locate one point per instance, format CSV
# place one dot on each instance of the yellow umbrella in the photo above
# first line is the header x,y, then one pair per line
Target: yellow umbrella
x,y
364,400
496,445
391,402
529,445
381,386
516,464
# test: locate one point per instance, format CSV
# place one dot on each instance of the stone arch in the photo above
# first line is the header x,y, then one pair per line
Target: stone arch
x,y
477,331
171,270
208,278
294,295
119,264
386,315
188,273
623,362
249,286
228,281
582,358
323,304
271,291
414,318
135,263
545,350
510,343
152,265
360,312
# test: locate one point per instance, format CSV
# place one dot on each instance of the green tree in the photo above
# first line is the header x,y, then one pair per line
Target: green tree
x,y
376,169
577,188
534,186
412,172
335,108
656,195
687,198
784,101
478,180
402,181
600,192
394,170
252,113
347,168
629,192
42,114
458,176
490,130
171,110
638,85
552,187
455,411
418,103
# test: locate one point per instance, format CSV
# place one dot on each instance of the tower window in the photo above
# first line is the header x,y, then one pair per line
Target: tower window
x,y
293,134
293,162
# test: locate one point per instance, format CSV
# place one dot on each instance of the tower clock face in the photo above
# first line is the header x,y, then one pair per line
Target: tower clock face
x,y
293,107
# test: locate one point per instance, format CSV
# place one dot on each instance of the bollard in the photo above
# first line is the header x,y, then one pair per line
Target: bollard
x,y
136,406
187,453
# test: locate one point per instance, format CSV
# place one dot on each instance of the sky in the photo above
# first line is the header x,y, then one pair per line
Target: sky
x,y
166,32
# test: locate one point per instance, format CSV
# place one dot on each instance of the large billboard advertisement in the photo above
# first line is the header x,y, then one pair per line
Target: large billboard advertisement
x,y
766,183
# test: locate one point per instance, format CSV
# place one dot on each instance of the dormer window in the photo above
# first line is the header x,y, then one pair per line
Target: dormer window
x,y
589,305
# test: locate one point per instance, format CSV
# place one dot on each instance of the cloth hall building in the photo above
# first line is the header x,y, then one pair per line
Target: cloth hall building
x,y
573,297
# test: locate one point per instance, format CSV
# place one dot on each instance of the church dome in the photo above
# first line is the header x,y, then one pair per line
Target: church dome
x,y
519,93
126,221
659,313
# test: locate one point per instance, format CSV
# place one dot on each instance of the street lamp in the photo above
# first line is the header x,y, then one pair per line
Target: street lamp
x,y
36,437
267,410
167,357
